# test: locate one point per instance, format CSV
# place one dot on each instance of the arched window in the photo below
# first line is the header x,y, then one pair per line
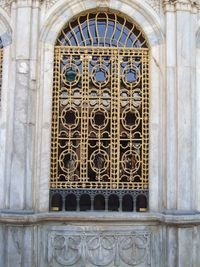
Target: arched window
x,y
100,121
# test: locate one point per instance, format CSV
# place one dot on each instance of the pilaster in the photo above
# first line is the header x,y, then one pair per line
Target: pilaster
x,y
181,16
180,76
198,120
24,58
171,120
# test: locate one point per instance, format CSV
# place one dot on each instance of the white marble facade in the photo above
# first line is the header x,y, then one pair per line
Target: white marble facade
x,y
166,236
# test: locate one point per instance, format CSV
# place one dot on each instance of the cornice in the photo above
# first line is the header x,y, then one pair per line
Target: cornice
x,y
181,5
155,4
6,4
176,219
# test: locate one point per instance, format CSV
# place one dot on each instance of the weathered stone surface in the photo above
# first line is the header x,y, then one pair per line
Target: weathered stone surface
x,y
107,248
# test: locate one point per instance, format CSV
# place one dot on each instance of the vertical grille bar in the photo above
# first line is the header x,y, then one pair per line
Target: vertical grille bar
x,y
115,122
84,122
55,120
145,120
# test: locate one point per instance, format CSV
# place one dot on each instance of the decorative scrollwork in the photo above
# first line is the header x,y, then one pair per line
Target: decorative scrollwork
x,y
130,162
70,74
99,118
99,161
131,76
130,118
100,75
68,161
70,117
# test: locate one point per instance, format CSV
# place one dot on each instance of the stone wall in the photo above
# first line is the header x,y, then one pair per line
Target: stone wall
x,y
96,239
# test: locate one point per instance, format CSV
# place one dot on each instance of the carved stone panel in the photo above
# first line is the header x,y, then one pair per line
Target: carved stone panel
x,y
50,3
99,248
6,4
155,4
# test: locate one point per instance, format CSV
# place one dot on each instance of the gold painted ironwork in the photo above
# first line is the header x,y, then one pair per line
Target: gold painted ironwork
x,y
100,121
102,29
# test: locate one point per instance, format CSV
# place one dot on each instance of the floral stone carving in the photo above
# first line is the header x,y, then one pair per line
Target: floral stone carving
x,y
113,248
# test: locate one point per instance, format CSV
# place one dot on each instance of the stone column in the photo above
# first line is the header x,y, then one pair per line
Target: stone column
x,y
20,191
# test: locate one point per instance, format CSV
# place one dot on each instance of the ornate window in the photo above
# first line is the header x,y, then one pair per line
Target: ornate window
x,y
100,131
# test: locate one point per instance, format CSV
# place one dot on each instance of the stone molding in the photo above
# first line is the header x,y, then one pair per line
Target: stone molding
x,y
110,248
175,218
6,4
181,5
155,4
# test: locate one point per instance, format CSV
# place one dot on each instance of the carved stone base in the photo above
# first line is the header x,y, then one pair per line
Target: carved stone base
x,y
100,248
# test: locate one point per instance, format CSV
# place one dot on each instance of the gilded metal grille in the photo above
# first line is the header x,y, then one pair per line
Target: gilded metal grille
x,y
101,30
100,106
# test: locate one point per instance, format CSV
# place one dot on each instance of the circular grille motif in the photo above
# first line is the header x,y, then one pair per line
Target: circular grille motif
x,y
100,75
99,118
68,161
99,161
131,75
69,117
130,118
70,74
130,161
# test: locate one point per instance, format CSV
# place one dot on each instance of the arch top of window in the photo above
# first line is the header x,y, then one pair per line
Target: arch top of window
x,y
102,29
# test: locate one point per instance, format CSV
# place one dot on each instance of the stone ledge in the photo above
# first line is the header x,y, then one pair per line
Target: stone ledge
x,y
178,218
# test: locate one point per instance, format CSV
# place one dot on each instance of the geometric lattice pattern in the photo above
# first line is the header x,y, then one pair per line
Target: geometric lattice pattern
x,y
100,118
100,110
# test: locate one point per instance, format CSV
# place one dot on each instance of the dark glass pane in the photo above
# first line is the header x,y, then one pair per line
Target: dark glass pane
x,y
113,203
99,202
70,203
127,203
85,203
